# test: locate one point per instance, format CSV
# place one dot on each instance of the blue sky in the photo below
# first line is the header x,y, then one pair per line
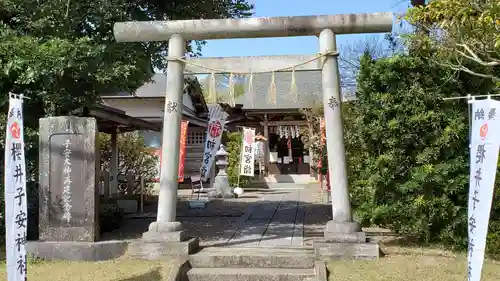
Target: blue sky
x,y
298,45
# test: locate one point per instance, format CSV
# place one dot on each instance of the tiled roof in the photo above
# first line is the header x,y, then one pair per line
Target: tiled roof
x,y
156,88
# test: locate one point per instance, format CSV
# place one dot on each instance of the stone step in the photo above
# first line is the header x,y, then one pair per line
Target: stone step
x,y
267,249
253,258
195,151
194,158
249,274
289,178
346,251
147,250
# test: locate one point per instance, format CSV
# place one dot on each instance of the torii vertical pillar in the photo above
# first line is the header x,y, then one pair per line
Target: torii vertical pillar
x,y
342,228
166,228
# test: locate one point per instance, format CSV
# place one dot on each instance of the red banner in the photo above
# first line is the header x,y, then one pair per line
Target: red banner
x,y
323,138
323,132
320,164
182,152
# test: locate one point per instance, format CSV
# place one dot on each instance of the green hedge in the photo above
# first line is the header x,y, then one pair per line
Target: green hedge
x,y
408,153
233,143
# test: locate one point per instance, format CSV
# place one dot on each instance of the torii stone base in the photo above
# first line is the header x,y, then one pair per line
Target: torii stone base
x,y
346,251
163,240
145,249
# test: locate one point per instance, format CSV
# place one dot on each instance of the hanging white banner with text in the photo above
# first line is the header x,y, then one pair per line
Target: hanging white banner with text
x,y
15,193
213,138
247,155
484,145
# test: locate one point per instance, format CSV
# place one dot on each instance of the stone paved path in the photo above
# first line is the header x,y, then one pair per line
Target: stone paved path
x,y
277,219
289,215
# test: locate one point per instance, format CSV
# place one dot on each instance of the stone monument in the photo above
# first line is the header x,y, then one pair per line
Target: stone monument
x,y
68,194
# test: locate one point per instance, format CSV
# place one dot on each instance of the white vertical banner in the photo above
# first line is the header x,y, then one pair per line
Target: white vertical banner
x,y
484,145
213,138
247,164
16,219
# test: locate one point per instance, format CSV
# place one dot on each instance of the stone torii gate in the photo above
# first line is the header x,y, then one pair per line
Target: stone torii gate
x,y
166,229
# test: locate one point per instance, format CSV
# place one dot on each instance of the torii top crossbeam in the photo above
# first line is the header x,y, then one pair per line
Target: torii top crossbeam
x,y
143,31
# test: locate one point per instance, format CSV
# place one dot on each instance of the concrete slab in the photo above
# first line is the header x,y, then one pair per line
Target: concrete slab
x,y
267,250
320,271
346,251
76,250
298,230
281,227
254,258
178,270
250,234
229,233
286,185
266,207
256,221
275,220
148,250
249,274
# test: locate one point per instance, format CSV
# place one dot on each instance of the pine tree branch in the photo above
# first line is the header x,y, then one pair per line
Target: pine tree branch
x,y
474,57
467,70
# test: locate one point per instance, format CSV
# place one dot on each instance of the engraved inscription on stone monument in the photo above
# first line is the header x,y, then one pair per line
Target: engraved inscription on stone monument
x,y
67,179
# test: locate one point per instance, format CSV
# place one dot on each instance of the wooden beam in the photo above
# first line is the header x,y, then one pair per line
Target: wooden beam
x,y
251,64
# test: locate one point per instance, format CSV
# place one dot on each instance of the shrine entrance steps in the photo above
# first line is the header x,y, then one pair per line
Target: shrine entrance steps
x,y
268,245
249,264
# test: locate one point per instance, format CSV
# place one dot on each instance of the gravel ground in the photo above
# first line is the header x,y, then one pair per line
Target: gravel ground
x,y
208,224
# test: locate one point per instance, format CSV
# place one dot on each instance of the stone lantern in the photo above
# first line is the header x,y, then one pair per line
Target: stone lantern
x,y
221,181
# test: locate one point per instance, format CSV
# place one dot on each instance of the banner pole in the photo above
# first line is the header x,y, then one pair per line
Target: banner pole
x,y
240,157
15,191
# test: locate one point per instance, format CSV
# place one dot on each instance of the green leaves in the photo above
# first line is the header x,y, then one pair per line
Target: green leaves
x,y
66,53
133,155
62,54
233,143
465,36
407,148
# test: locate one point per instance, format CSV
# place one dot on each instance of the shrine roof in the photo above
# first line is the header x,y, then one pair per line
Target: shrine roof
x,y
157,87
110,119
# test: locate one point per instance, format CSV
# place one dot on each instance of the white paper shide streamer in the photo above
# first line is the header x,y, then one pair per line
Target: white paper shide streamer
x,y
247,164
215,129
15,193
484,145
